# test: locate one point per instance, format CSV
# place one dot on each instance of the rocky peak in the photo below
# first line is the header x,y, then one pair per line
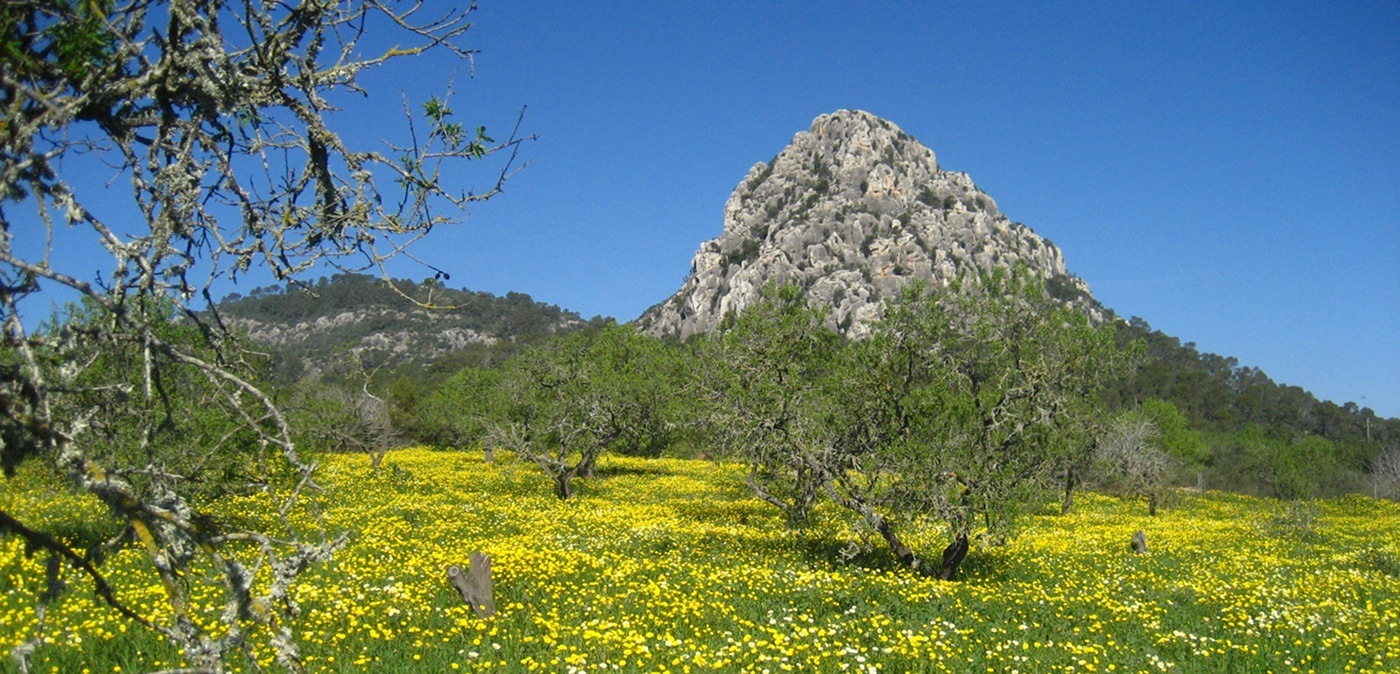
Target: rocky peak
x,y
852,210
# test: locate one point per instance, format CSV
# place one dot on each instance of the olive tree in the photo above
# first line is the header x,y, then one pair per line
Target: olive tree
x,y
339,412
764,382
180,429
1293,469
955,409
461,411
342,419
568,401
192,141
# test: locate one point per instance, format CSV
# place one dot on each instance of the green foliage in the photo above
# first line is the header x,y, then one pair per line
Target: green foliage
x,y
459,413
1292,469
1175,436
1221,399
956,407
763,379
1272,463
438,113
154,425
562,404
989,379
69,35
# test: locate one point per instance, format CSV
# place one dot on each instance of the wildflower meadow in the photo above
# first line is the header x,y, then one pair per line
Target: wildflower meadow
x,y
667,565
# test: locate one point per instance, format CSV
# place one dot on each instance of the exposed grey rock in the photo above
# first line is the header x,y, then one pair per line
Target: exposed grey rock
x,y
852,211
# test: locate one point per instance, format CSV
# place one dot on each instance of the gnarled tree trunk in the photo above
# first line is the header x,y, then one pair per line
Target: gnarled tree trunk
x,y
878,522
797,508
588,465
563,487
1071,481
953,556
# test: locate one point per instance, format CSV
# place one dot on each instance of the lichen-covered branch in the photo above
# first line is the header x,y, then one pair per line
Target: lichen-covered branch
x,y
211,121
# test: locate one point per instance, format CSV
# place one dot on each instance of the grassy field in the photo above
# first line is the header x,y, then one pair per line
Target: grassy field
x,y
667,565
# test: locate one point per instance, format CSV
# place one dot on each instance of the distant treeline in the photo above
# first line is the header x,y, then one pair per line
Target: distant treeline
x,y
1239,407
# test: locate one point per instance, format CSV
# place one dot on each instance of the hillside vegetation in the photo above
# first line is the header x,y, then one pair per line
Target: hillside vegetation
x,y
305,327
1245,415
670,565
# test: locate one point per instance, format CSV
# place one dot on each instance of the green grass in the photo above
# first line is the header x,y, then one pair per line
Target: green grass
x,y
670,566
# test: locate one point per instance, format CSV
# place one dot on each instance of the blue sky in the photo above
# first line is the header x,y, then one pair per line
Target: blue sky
x,y
1228,171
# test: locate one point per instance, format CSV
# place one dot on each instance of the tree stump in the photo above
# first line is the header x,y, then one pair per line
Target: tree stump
x,y
1139,542
475,584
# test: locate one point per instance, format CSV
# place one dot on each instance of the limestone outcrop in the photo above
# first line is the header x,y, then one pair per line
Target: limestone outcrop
x,y
851,211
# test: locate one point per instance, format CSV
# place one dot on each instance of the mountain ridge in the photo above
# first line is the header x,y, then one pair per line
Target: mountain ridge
x,y
305,325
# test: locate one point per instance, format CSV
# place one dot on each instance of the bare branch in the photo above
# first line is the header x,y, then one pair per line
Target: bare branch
x,y
216,118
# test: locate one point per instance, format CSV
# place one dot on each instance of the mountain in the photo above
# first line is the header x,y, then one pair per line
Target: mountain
x,y
852,210
306,328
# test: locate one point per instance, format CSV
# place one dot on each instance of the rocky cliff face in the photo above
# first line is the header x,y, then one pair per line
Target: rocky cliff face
x,y
852,211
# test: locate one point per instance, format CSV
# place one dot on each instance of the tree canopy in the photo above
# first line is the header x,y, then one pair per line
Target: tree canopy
x,y
956,408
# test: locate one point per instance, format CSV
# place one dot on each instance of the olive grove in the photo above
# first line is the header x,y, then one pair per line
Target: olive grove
x,y
956,408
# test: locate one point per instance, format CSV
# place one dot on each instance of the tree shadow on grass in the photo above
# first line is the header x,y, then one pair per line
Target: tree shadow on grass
x,y
841,553
632,470
978,567
984,568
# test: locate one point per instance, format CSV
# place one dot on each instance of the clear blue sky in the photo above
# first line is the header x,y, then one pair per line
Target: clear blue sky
x,y
1228,171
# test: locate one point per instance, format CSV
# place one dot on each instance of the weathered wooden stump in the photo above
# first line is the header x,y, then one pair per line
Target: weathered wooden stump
x,y
1139,542
475,584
